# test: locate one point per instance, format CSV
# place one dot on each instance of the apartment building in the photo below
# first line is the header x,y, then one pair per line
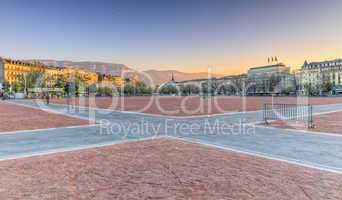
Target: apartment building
x,y
315,75
14,70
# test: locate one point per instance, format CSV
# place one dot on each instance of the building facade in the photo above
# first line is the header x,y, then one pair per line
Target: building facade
x,y
111,80
315,78
227,85
2,73
70,74
12,71
268,70
321,77
265,80
271,79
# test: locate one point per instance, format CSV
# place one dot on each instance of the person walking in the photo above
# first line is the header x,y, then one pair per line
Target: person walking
x,y
47,98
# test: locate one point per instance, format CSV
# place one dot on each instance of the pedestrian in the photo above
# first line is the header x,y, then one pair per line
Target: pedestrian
x,y
48,98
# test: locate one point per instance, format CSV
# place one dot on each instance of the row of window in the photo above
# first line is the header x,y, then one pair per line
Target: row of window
x,y
317,80
330,64
21,68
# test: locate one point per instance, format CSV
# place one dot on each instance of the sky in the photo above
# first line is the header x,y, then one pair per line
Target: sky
x,y
187,35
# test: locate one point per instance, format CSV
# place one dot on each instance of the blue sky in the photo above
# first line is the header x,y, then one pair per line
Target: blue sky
x,y
185,35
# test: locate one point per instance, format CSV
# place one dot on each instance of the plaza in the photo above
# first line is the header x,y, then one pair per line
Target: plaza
x,y
170,100
150,155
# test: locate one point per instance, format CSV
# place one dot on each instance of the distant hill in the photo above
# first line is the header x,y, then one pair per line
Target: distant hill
x,y
162,76
158,76
101,67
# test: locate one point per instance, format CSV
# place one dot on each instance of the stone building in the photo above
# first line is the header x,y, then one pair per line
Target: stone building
x,y
321,77
111,80
265,80
271,79
12,71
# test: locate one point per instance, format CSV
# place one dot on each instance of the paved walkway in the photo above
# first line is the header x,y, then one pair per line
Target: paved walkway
x,y
231,131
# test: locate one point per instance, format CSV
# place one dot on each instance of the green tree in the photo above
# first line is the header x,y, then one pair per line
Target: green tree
x,y
92,89
156,88
142,89
104,91
274,80
310,90
17,87
288,90
169,89
80,84
190,89
210,87
128,89
31,80
60,82
76,84
6,86
327,86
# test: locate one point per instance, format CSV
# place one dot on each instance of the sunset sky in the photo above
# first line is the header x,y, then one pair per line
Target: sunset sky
x,y
186,35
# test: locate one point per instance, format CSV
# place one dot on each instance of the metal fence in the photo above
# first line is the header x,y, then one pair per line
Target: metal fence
x,y
298,112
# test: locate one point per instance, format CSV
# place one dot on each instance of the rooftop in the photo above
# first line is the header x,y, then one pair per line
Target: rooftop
x,y
269,66
325,63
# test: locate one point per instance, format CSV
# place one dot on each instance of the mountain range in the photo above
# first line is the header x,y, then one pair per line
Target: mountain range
x,y
156,76
162,76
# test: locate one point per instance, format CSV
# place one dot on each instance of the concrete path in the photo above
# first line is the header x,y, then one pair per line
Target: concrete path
x,y
233,131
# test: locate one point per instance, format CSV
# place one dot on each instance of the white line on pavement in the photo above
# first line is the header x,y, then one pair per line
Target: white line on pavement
x,y
301,131
251,153
69,149
268,156
51,111
47,129
271,157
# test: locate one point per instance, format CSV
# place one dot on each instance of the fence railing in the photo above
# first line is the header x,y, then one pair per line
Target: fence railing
x,y
283,112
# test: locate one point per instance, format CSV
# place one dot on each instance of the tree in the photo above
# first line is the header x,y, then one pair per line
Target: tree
x,y
104,91
209,87
169,89
190,89
60,82
128,89
327,86
76,84
92,89
142,89
17,87
227,89
274,81
156,88
6,86
311,90
288,90
80,83
31,80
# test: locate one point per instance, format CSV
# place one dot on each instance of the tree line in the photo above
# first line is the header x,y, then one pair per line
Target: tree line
x,y
237,86
76,84
73,85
